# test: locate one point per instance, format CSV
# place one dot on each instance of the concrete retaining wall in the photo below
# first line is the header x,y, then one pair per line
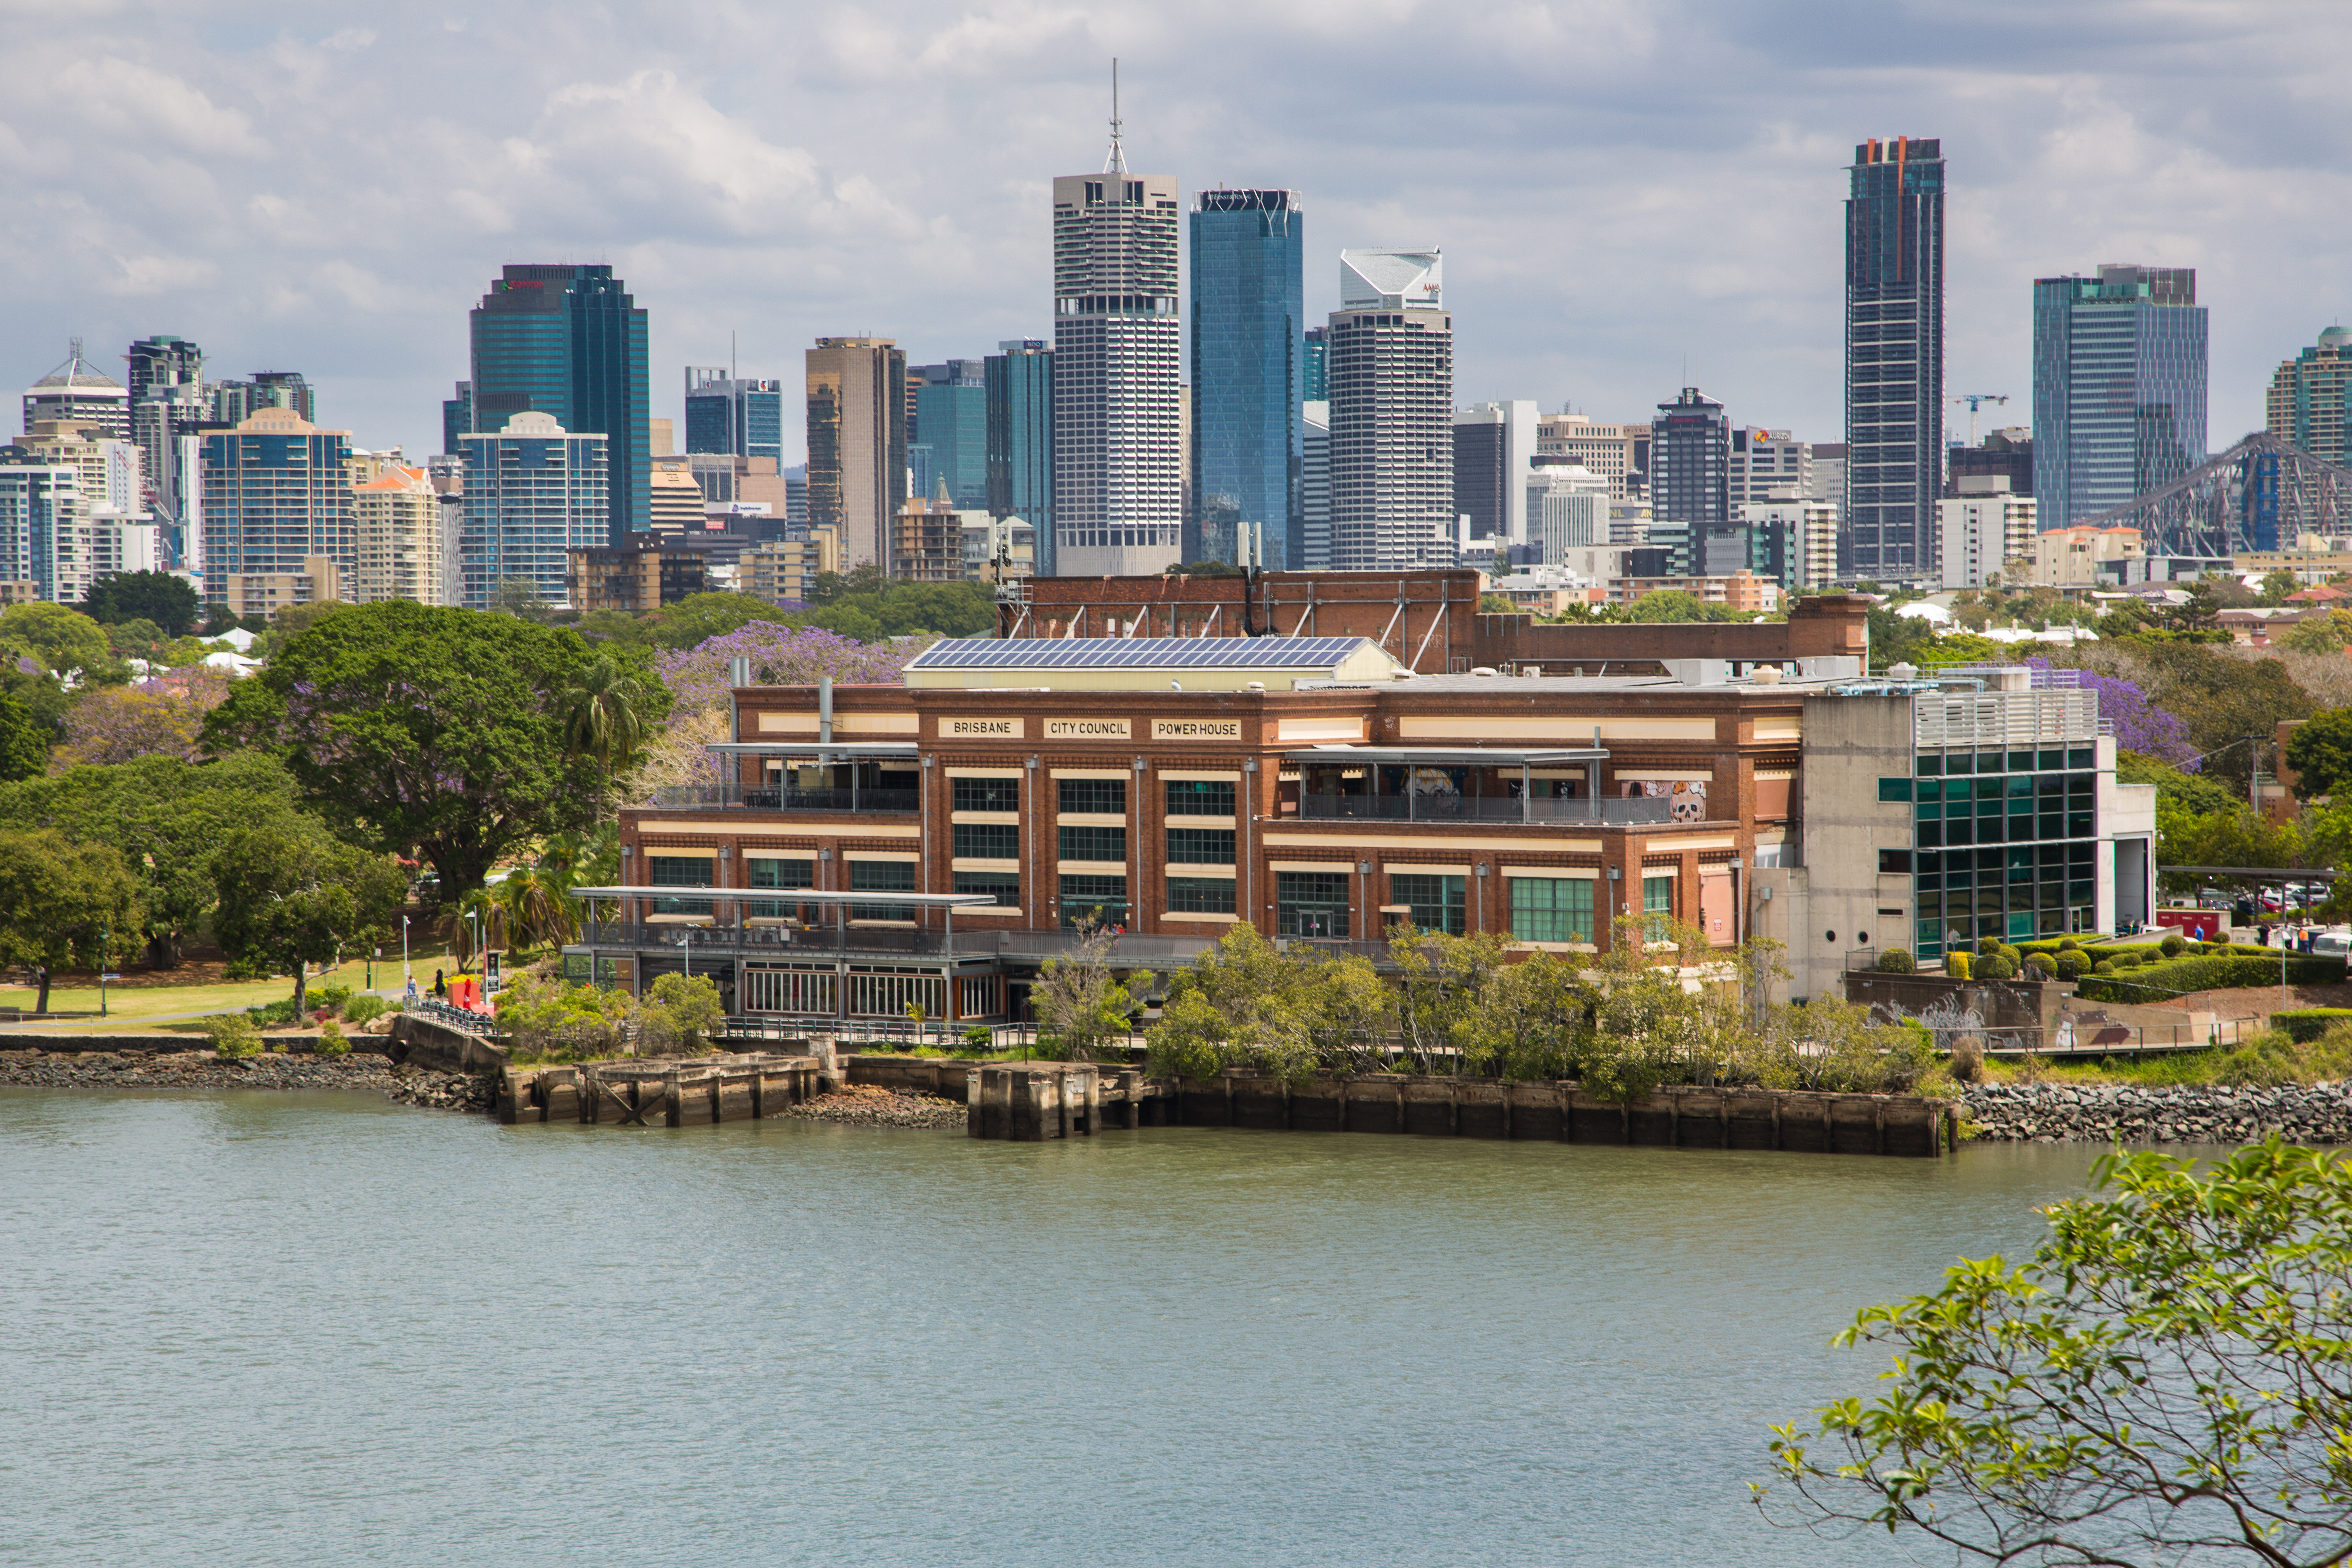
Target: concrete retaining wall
x,y
419,1042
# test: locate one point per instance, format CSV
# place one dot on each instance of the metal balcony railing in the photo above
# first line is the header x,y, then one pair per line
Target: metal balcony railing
x,y
772,797
1603,810
827,940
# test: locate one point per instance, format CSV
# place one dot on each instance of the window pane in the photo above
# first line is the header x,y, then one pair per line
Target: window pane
x,y
1098,795
768,872
1200,895
882,876
1894,789
1093,843
1098,898
1200,797
1310,903
1004,886
1200,845
987,795
1438,903
987,841
678,872
1551,909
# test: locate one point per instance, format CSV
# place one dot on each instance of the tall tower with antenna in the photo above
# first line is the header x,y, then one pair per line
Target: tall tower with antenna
x,y
1118,368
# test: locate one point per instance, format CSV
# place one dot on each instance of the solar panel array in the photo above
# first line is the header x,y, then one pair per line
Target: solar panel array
x,y
1136,653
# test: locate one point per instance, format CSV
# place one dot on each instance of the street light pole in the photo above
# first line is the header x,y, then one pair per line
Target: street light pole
x,y
408,976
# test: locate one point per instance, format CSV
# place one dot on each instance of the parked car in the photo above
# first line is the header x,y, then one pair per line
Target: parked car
x,y
2335,944
2214,897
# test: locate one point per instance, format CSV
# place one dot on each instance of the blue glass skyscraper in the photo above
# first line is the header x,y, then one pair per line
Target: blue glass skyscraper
x,y
1248,337
1315,369
2118,387
1020,391
744,417
570,342
951,419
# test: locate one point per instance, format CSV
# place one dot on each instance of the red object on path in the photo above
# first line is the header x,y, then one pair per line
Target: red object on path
x,y
2199,925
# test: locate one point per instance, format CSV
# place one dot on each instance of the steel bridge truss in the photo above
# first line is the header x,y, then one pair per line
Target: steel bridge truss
x,y
2260,495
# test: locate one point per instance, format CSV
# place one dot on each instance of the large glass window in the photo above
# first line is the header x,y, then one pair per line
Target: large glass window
x,y
1200,797
1004,887
1551,909
1083,843
1201,845
1657,905
987,840
1100,797
1311,903
987,795
1200,895
1438,903
773,872
882,876
1102,899
680,871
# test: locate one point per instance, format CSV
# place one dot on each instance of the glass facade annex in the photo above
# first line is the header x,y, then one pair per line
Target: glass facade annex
x,y
2008,844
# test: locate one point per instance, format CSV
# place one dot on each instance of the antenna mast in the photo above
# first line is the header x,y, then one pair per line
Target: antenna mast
x,y
1117,163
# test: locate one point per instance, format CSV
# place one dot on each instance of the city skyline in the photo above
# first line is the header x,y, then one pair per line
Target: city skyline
x,y
810,192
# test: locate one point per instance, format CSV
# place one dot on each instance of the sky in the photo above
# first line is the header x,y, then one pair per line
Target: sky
x,y
1630,197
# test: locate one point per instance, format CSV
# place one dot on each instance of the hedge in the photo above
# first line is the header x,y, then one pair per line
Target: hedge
x,y
2306,1024
2178,976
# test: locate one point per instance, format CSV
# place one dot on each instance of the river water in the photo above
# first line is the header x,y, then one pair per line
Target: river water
x,y
264,1328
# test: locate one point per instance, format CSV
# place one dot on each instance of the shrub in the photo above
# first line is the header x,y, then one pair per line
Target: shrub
x,y
2105,966
1968,1057
334,998
268,1013
2068,944
2042,966
332,1042
1987,946
245,969
1895,961
233,1034
1957,965
1996,967
2072,963
365,1009
2197,973
2174,945
2303,1025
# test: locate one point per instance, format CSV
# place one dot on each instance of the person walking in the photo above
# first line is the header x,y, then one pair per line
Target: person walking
x,y
440,987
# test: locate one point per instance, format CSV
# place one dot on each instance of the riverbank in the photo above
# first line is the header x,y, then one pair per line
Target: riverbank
x,y
862,1106
209,1070
2134,1113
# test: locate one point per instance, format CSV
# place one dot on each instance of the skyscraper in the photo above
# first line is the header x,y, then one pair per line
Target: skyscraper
x,y
2308,405
1495,448
1118,505
2118,387
1315,366
1894,358
1391,413
275,497
534,492
570,342
235,401
163,361
79,393
1020,390
168,411
1249,327
743,418
858,444
1315,487
951,416
1690,461
397,522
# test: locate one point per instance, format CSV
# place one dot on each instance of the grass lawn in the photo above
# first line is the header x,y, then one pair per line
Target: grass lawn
x,y
135,1003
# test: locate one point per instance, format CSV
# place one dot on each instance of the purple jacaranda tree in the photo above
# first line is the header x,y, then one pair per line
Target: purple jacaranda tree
x,y
162,716
2139,725
698,677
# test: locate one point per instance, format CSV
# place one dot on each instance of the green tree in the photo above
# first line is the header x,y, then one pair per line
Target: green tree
x,y
606,708
2277,585
61,640
613,626
1079,1000
168,601
520,597
168,817
679,1015
291,896
413,726
905,609
2193,792
829,587
24,741
1897,639
2319,750
2322,633
698,617
61,903
1495,605
1670,605
2165,1381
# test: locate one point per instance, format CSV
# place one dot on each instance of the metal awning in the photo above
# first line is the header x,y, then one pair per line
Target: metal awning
x,y
794,896
781,746
1451,756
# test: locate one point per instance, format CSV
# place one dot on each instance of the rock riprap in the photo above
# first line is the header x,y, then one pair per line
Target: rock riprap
x,y
208,1069
869,1106
2211,1113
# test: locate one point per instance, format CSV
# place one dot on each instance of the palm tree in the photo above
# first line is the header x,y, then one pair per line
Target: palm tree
x,y
604,710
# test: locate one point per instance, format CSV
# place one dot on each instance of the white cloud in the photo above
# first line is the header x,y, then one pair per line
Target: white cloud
x,y
1617,184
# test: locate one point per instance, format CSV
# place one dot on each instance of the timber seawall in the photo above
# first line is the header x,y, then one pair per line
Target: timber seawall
x,y
1035,1101
2130,1114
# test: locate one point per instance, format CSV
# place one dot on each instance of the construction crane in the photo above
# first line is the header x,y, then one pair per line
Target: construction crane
x,y
1975,399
